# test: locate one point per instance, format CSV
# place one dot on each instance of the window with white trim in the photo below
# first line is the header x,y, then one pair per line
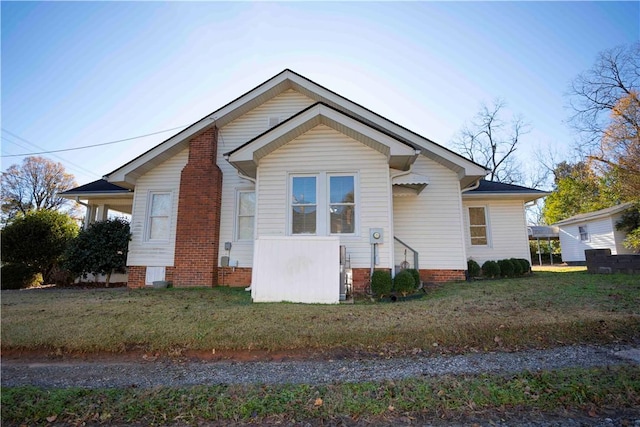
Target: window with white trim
x,y
478,226
246,210
158,222
584,234
303,205
323,204
342,204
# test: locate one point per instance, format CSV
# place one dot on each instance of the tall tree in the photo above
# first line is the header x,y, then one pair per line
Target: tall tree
x,y
34,185
578,189
490,141
596,93
606,104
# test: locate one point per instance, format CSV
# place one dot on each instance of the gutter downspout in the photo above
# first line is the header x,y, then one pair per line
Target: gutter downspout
x,y
87,216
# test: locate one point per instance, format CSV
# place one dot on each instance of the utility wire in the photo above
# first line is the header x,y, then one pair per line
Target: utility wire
x,y
83,147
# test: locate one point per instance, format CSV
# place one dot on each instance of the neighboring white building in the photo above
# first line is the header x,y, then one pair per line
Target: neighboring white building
x,y
269,177
592,230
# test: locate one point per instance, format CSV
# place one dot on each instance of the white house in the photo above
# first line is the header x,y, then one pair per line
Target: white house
x,y
290,184
592,230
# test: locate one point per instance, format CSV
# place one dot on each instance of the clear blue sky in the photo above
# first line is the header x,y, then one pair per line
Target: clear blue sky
x,y
81,73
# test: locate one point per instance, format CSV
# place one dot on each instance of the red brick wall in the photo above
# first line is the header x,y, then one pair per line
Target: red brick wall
x,y
441,276
136,276
238,276
198,228
360,280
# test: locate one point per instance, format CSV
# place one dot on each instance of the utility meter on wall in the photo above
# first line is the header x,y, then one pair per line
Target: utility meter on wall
x,y
376,235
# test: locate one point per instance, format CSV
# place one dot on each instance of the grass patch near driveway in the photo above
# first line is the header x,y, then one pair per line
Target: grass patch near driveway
x,y
545,309
587,391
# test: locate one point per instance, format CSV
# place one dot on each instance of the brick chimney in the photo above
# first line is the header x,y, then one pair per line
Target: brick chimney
x,y
198,227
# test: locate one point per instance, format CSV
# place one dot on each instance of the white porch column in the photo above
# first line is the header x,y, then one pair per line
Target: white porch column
x,y
102,213
89,216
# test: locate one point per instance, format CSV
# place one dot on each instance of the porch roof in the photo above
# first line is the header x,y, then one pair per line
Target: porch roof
x,y
488,189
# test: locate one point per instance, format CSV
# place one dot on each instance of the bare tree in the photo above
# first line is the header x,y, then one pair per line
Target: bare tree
x,y
596,93
491,142
34,185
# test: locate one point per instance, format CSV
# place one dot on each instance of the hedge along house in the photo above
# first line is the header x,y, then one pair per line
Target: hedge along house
x,y
291,183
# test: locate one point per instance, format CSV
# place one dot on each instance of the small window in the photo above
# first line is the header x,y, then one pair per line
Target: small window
x,y
159,216
478,226
246,213
342,204
303,205
584,234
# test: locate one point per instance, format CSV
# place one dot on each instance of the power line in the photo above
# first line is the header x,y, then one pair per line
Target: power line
x,y
85,146
75,166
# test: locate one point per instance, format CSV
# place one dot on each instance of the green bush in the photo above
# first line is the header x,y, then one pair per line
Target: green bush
x,y
518,269
18,276
38,240
404,283
526,267
507,268
473,268
416,276
381,282
491,269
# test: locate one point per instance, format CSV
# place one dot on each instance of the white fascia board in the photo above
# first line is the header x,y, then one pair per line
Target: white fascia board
x,y
595,215
127,172
469,167
527,197
395,148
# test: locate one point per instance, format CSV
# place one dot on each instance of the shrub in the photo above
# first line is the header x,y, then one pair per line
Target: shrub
x,y
491,269
518,269
100,249
381,282
38,240
404,282
506,268
526,267
18,276
473,268
416,276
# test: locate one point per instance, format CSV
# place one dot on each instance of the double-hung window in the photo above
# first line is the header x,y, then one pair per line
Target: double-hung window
x,y
342,204
478,226
246,213
158,223
303,205
323,204
584,234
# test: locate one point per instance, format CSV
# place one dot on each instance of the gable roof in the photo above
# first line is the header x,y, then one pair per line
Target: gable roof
x,y
599,214
245,158
126,175
491,188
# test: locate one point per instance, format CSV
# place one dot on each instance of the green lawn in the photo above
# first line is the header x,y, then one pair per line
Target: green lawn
x,y
546,309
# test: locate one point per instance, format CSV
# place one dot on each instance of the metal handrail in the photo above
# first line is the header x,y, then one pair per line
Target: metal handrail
x,y
415,253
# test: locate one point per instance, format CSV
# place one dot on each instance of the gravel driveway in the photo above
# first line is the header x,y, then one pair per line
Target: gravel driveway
x,y
176,373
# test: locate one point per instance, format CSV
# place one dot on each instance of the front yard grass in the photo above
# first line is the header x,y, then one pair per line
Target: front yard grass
x,y
545,309
584,392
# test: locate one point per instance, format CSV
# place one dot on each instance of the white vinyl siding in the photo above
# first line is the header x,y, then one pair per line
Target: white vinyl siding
x,y
601,236
232,136
163,179
506,229
432,222
323,150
